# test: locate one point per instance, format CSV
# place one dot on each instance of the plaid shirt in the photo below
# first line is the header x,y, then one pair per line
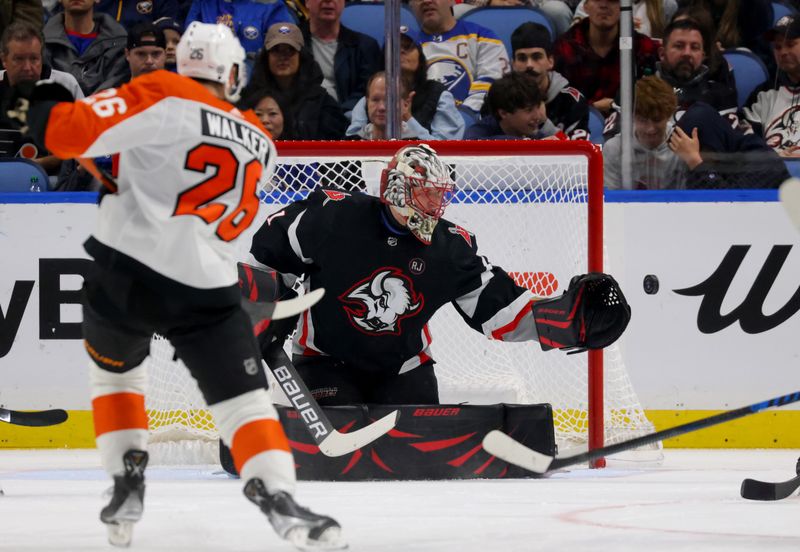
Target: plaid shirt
x,y
598,77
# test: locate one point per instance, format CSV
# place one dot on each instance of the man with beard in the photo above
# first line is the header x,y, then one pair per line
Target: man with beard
x,y
774,110
681,65
532,53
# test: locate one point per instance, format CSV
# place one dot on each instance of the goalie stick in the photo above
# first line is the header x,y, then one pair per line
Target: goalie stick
x,y
752,489
506,448
329,441
39,418
789,194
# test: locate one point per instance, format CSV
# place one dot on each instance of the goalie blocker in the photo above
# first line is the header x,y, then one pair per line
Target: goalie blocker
x,y
591,314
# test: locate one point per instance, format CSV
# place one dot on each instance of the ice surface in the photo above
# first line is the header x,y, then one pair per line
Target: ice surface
x,y
691,502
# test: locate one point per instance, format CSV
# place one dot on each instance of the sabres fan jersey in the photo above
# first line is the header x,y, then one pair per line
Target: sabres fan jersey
x,y
190,167
382,285
466,59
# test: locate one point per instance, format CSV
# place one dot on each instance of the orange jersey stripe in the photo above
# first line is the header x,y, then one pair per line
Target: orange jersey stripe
x,y
118,411
256,437
73,127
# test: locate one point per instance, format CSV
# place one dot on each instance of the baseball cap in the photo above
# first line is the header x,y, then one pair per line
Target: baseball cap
x,y
146,34
787,26
284,33
165,23
405,30
531,35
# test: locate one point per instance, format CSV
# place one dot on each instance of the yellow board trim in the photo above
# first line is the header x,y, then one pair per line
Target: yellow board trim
x,y
772,429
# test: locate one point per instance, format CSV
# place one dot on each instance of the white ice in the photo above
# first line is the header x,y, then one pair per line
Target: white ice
x,y
691,502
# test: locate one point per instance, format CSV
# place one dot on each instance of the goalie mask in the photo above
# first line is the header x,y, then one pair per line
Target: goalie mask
x,y
212,52
417,185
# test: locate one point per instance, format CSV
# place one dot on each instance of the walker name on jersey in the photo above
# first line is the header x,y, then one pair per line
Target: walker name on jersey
x,y
218,126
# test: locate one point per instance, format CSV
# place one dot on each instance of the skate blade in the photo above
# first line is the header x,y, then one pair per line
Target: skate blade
x,y
120,533
331,539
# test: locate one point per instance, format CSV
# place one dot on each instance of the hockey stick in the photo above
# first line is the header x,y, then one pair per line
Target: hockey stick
x,y
506,448
789,194
40,418
329,441
753,489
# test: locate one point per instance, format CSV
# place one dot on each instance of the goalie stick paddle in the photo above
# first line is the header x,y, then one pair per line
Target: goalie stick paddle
x,y
752,489
329,441
789,194
39,418
506,448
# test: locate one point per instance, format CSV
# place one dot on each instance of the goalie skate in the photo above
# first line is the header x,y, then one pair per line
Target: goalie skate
x,y
127,499
300,526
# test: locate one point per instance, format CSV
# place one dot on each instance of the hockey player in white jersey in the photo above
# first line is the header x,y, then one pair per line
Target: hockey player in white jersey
x,y
190,168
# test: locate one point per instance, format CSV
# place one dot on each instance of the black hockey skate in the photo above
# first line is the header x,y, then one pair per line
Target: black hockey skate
x,y
300,526
127,499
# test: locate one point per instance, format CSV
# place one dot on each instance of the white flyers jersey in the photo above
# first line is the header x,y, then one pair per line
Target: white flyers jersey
x,y
190,169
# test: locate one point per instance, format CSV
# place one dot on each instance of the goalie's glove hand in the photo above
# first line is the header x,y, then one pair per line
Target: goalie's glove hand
x,y
591,314
258,285
26,94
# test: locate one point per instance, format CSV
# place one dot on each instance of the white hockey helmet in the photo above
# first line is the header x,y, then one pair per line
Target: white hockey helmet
x,y
212,52
418,185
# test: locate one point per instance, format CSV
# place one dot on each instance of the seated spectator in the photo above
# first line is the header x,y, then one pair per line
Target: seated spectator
x,y
248,19
286,66
588,54
718,68
517,111
172,34
145,51
375,125
533,54
720,157
741,24
681,65
271,110
130,13
654,165
87,44
559,12
650,17
347,58
21,53
773,110
433,107
463,56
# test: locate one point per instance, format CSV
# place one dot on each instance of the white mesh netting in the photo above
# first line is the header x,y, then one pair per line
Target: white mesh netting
x,y
529,215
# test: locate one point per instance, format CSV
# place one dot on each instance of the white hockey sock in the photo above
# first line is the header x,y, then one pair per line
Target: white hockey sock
x,y
249,424
120,419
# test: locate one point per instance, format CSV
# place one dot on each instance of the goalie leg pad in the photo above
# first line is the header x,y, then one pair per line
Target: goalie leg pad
x,y
591,314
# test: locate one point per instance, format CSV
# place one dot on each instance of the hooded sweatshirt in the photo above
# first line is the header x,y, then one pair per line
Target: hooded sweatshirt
x,y
653,169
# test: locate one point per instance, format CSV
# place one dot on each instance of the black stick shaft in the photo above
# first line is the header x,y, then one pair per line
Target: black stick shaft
x,y
674,431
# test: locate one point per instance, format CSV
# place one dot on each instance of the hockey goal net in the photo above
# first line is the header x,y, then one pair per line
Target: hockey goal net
x,y
536,209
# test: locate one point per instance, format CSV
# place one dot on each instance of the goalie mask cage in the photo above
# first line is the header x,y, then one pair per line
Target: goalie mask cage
x,y
536,210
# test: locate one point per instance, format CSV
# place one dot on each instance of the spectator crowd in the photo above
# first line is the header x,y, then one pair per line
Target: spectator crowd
x,y
311,77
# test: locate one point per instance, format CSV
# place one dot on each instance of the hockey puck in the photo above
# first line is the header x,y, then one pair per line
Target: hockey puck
x,y
650,284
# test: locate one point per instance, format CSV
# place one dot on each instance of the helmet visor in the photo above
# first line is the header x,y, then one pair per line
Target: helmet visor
x,y
429,197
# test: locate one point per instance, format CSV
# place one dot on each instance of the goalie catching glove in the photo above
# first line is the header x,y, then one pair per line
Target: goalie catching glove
x,y
591,314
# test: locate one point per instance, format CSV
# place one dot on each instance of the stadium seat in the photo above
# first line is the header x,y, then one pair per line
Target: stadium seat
x,y
368,18
22,175
748,70
780,10
503,20
596,124
793,166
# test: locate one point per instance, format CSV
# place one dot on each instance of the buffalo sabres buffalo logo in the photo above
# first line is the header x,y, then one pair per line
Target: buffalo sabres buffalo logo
x,y
784,131
377,304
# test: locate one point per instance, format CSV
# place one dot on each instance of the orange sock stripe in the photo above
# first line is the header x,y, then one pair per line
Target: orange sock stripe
x,y
257,437
118,411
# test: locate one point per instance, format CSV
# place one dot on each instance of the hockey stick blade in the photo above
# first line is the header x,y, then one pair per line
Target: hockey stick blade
x,y
753,489
264,310
789,194
516,453
39,418
330,442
